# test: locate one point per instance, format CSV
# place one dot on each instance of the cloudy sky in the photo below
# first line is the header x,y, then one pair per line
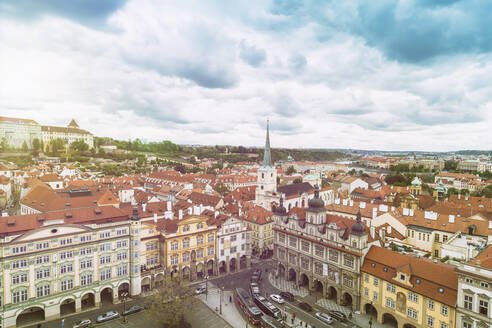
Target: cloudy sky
x,y
390,75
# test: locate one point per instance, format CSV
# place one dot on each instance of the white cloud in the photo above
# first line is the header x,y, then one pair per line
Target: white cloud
x,y
203,73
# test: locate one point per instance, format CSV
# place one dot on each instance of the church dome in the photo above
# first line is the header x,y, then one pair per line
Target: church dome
x,y
358,228
280,210
316,202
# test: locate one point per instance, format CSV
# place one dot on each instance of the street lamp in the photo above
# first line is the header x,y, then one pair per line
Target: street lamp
x,y
206,287
124,295
221,290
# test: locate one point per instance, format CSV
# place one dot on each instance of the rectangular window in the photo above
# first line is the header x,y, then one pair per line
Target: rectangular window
x,y
66,268
436,238
85,264
483,307
121,232
444,325
281,237
19,278
42,290
105,259
19,296
19,264
174,246
66,255
444,310
186,257
43,259
67,284
85,238
292,241
199,240
412,313
333,255
43,245
376,282
174,259
151,246
444,238
304,263
85,251
305,246
430,321
233,250
319,251
19,249
121,256
122,271
430,304
186,243
366,292
211,238
121,243
105,234
390,288
105,247
468,302
390,303
199,253
467,324
233,238
105,274
413,297
348,281
366,278
66,241
375,296
86,279
210,251
484,284
43,273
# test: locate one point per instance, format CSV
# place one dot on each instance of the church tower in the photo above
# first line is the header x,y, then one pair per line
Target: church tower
x,y
266,185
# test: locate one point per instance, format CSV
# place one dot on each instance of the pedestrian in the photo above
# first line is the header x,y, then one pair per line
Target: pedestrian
x,y
230,299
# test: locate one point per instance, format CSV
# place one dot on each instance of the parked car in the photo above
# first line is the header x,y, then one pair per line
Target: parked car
x,y
254,288
305,306
277,298
324,317
288,296
200,290
133,309
107,316
82,324
340,316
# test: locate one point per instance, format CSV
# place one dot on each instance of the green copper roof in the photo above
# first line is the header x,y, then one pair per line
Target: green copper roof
x,y
267,158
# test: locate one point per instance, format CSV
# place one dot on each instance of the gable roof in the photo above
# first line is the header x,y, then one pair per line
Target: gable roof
x,y
295,189
432,276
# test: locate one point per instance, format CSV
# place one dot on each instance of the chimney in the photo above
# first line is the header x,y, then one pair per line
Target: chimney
x,y
389,229
451,219
372,231
382,234
190,210
168,205
216,214
201,209
180,214
155,217
144,207
490,224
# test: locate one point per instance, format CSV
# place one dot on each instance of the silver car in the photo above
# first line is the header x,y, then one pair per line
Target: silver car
x,y
324,317
107,316
82,324
277,298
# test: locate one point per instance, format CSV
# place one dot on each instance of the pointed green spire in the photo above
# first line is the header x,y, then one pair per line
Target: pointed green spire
x,y
267,160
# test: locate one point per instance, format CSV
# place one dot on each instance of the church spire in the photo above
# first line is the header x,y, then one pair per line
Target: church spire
x,y
267,161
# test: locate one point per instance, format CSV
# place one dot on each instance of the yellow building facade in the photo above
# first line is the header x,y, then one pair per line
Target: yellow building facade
x,y
408,292
189,247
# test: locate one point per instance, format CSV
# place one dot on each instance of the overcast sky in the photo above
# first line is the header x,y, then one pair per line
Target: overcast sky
x,y
390,75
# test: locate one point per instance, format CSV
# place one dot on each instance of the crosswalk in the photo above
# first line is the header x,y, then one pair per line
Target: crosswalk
x,y
287,286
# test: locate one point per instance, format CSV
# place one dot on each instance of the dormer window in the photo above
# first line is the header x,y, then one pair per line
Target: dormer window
x,y
402,277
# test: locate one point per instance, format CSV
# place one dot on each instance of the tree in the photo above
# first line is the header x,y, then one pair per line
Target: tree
x,y
180,168
57,145
79,145
4,145
450,165
24,146
170,306
290,170
221,189
36,145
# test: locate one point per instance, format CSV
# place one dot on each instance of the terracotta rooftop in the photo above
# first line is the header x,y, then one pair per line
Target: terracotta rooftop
x,y
426,277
